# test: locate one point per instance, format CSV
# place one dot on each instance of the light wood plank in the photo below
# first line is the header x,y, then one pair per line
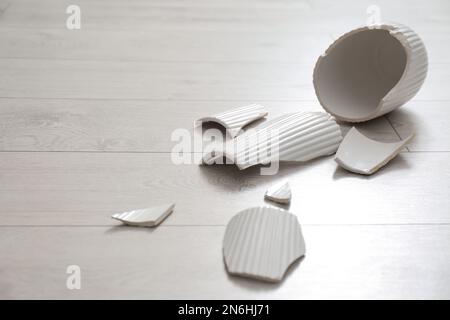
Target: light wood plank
x,y
178,45
114,91
174,81
136,126
259,15
381,262
146,80
86,188
429,121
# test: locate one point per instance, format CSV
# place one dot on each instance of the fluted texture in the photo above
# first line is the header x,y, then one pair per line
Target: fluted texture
x,y
415,72
262,243
408,85
280,193
234,120
292,137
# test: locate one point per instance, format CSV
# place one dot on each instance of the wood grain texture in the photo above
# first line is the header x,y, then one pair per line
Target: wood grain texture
x,y
153,80
171,45
86,188
196,46
85,124
124,125
391,262
255,15
23,78
428,120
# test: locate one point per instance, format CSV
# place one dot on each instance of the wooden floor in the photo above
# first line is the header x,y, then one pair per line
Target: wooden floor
x,y
86,118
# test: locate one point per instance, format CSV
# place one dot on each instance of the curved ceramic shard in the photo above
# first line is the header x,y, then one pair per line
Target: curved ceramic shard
x,y
359,154
280,193
292,137
149,217
262,243
298,136
236,119
370,71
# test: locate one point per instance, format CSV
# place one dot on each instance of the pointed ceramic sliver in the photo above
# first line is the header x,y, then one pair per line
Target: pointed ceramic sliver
x,y
262,243
280,193
234,120
149,217
298,136
359,154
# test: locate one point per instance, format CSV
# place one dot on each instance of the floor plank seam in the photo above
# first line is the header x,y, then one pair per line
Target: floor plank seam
x,y
160,152
395,130
159,61
182,100
224,225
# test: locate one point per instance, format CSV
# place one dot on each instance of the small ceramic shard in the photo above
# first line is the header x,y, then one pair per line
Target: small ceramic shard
x,y
280,193
300,136
236,119
359,154
262,243
149,217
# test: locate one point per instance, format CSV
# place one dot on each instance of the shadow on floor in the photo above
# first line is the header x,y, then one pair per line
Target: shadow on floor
x,y
399,163
258,285
230,178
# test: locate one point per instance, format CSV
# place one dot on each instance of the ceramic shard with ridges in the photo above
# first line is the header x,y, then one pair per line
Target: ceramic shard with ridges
x,y
291,137
370,71
415,72
262,243
234,120
298,136
280,193
149,217
362,155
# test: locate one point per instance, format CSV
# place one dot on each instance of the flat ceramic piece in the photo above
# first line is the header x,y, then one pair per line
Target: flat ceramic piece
x,y
236,119
298,137
280,193
262,243
359,154
370,71
149,217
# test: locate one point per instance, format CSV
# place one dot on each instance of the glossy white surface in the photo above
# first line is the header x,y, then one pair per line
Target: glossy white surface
x,y
298,137
262,242
236,119
280,193
359,154
370,71
148,217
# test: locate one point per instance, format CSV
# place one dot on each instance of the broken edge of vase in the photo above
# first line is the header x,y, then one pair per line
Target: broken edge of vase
x,y
389,59
236,119
360,154
299,137
148,217
280,193
280,243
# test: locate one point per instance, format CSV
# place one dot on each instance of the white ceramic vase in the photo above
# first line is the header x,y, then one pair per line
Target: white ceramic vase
x,y
370,71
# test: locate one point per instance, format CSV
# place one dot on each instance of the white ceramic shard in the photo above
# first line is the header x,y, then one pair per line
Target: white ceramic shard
x,y
359,154
298,136
370,71
262,243
149,217
236,119
280,193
